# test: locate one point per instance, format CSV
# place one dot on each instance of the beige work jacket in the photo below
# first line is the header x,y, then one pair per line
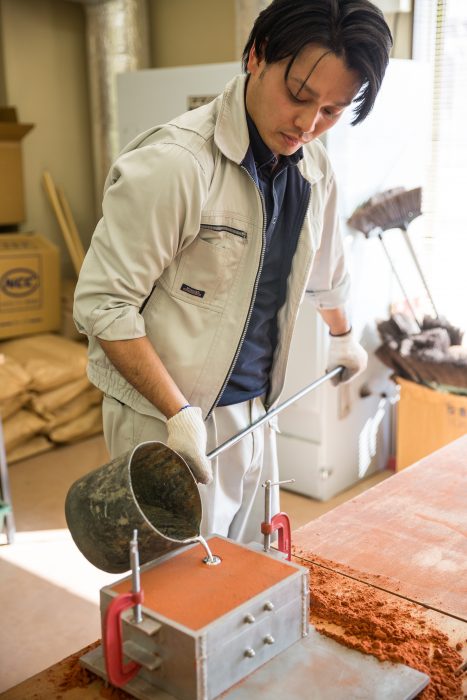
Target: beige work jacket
x,y
178,252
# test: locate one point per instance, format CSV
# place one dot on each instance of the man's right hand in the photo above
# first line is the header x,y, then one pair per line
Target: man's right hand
x,y
187,436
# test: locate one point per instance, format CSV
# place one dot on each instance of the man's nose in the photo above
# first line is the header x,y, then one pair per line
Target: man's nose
x,y
307,119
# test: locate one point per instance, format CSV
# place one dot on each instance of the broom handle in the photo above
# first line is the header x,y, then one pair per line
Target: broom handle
x,y
270,414
380,236
420,271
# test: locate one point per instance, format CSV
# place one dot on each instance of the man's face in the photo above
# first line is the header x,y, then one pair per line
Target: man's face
x,y
291,110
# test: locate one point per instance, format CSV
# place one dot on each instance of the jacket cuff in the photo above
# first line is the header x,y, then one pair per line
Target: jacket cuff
x,y
117,324
331,298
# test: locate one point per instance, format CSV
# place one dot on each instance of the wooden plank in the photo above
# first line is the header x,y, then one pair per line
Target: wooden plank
x,y
67,213
50,189
407,535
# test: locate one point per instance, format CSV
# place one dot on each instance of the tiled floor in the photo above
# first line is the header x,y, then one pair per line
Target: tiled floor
x,y
49,593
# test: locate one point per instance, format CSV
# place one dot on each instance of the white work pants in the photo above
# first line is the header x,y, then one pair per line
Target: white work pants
x,y
233,504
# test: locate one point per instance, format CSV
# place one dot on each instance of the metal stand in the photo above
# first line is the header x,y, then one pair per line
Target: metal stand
x,y
5,504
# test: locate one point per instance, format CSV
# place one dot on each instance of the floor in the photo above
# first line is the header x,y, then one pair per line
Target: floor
x,y
49,592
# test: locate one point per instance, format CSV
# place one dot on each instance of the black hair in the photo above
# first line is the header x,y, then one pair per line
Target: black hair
x,y
354,30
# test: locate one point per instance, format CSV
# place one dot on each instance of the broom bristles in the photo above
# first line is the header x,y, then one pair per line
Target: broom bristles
x,y
394,208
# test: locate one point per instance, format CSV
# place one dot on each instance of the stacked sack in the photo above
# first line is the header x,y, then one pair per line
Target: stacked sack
x,y
46,398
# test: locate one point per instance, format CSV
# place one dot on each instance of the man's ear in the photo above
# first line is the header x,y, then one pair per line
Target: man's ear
x,y
255,60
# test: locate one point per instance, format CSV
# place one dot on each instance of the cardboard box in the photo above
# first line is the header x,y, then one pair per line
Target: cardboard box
x,y
426,420
29,285
12,209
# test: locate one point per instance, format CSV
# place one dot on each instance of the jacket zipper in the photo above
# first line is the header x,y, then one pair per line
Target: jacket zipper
x,y
229,229
253,297
288,337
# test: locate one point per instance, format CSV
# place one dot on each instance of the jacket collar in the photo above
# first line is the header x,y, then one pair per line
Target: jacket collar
x,y
231,131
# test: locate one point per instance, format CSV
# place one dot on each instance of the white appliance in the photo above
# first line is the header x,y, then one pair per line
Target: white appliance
x,y
333,437
146,98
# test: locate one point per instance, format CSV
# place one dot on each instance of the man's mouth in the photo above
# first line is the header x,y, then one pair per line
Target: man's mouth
x,y
296,141
292,141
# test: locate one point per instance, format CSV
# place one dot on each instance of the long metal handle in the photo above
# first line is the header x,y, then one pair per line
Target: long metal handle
x,y
398,278
270,414
419,269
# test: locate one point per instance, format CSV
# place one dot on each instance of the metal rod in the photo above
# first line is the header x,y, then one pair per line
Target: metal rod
x,y
267,513
380,236
5,490
135,579
270,414
420,271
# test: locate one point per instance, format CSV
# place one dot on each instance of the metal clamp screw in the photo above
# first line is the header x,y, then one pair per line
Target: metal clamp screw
x,y
269,606
249,618
269,639
250,653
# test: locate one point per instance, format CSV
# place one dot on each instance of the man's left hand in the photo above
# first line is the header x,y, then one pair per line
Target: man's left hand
x,y
346,351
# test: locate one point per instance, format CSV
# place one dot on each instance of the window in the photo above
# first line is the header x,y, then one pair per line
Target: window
x,y
440,38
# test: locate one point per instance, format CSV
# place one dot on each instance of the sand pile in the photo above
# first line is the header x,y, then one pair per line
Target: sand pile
x,y
360,617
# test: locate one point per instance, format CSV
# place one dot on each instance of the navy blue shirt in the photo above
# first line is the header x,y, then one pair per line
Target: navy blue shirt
x,y
285,195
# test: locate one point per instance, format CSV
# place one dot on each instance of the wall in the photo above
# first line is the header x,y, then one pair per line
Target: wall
x,y
188,32
45,78
2,69
401,28
43,73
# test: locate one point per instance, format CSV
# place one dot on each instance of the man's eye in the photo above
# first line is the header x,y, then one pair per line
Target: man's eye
x,y
293,97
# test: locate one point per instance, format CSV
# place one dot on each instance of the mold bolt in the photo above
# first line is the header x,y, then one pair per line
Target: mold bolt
x,y
269,606
250,653
269,639
249,618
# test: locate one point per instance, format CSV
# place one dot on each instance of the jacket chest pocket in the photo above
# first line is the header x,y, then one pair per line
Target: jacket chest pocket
x,y
208,267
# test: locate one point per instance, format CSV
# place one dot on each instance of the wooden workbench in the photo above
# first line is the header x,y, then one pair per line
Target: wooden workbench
x,y
405,538
407,535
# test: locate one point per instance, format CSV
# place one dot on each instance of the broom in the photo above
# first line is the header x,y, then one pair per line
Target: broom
x,y
393,209
396,209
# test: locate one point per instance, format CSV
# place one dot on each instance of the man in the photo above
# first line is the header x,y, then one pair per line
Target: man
x,y
214,226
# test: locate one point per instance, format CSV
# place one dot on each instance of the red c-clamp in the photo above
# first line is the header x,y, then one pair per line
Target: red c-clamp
x,y
281,523
118,673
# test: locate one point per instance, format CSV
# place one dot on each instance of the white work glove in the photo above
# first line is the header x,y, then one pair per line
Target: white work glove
x,y
346,351
187,436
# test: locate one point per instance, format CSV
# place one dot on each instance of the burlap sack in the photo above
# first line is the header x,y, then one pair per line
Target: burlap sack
x,y
74,408
20,428
11,406
49,403
32,447
13,378
86,425
50,359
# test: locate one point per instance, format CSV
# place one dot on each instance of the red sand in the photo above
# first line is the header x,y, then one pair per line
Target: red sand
x,y
364,618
